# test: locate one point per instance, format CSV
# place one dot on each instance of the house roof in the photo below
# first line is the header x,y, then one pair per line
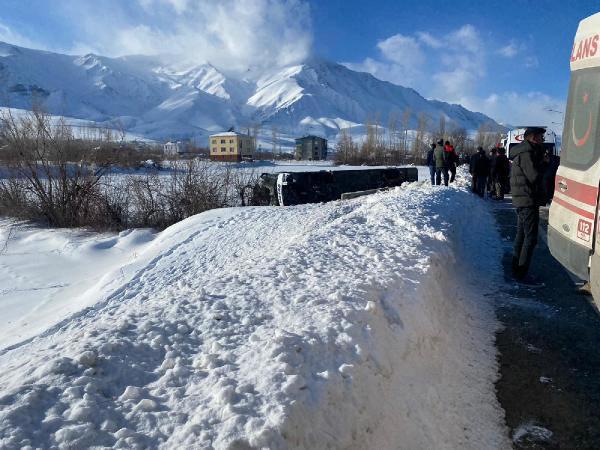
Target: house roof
x,y
310,136
228,133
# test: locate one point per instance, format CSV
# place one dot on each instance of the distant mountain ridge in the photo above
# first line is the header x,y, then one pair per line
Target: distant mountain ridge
x,y
160,101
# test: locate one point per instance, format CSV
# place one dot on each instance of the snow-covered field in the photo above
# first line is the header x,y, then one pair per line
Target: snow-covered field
x,y
356,324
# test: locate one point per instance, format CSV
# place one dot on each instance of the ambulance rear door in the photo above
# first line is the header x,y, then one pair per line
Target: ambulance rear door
x,y
572,222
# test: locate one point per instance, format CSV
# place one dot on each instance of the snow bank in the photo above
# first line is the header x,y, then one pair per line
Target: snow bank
x,y
48,274
353,324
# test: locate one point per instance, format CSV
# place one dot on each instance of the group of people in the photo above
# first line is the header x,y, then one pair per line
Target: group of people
x,y
528,176
531,172
442,160
490,173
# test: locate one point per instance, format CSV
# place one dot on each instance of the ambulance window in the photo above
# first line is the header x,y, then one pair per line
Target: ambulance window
x,y
581,122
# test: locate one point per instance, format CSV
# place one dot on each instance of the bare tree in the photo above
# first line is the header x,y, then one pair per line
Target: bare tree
x,y
487,136
49,179
441,133
420,147
458,136
119,128
274,140
393,147
346,148
406,115
256,132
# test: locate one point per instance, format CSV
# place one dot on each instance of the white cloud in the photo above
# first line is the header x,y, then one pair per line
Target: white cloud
x,y
521,52
531,61
456,84
429,40
466,38
179,6
401,60
233,34
11,36
403,50
464,58
387,71
531,108
453,66
446,67
510,50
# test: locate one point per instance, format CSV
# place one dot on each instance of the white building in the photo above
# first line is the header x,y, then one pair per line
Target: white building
x,y
175,148
231,146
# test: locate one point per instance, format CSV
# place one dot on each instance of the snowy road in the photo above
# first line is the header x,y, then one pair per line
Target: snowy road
x,y
353,324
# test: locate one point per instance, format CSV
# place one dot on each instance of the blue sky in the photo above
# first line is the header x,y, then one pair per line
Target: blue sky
x,y
508,59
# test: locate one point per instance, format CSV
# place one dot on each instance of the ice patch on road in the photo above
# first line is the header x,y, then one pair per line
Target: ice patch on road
x,y
529,433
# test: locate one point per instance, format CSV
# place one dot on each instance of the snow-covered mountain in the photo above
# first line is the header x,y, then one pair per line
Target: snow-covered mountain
x,y
160,100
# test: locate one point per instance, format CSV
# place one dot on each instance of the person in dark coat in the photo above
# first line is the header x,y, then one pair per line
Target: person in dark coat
x,y
481,170
441,167
472,163
431,163
490,180
451,159
526,183
501,171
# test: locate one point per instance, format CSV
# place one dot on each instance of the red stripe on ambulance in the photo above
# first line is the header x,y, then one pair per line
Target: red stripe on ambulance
x,y
573,208
583,193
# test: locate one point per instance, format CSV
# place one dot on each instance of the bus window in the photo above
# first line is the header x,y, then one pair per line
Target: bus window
x,y
581,123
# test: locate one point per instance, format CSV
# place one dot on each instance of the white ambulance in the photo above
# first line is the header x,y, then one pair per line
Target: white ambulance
x,y
515,137
573,230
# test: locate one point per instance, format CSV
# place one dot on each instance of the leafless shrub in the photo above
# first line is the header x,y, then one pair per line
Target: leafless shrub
x,y
44,178
47,175
159,201
192,187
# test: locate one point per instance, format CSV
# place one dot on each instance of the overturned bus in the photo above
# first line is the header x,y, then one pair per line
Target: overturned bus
x,y
296,188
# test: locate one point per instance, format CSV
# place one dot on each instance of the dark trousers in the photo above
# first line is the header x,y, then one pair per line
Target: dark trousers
x,y
452,173
481,181
432,174
439,171
499,190
501,183
528,220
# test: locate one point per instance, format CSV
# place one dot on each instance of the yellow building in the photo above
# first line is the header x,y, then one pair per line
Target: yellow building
x,y
231,146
